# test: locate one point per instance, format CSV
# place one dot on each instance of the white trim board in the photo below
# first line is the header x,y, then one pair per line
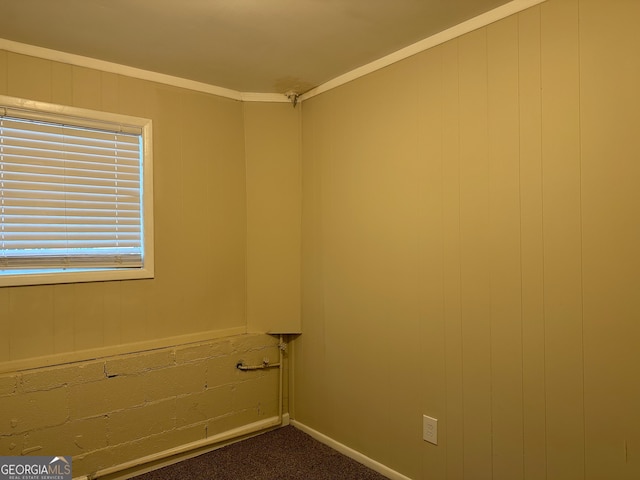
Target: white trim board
x,y
456,31
110,67
503,11
349,452
180,453
116,68
263,97
11,366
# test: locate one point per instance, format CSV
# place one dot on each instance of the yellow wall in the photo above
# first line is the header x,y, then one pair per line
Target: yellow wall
x,y
470,252
200,221
227,259
272,132
469,244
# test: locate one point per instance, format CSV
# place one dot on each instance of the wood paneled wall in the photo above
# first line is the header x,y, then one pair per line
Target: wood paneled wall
x,y
200,222
470,232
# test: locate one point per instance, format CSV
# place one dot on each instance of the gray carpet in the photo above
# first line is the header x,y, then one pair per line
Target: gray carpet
x,y
282,454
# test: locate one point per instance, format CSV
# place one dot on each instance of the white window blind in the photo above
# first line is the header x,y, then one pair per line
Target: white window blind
x,y
70,192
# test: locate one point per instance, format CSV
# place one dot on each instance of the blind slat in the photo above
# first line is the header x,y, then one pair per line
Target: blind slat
x,y
70,192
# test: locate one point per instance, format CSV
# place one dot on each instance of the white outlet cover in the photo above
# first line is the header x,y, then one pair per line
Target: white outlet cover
x,y
430,429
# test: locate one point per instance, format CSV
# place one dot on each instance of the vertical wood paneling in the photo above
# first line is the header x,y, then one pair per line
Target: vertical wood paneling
x,y
402,262
227,213
562,240
310,375
610,102
89,314
272,151
532,258
87,88
539,197
135,96
109,94
113,314
168,295
5,326
196,189
31,326
135,322
504,265
345,290
61,83
4,71
64,318
474,248
454,418
29,77
432,322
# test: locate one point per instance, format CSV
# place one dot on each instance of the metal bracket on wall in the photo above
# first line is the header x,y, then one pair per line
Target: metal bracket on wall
x,y
265,364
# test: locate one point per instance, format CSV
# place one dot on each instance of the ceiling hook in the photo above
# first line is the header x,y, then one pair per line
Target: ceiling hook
x,y
293,97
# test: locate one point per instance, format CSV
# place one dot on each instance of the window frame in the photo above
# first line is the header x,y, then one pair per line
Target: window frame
x,y
88,118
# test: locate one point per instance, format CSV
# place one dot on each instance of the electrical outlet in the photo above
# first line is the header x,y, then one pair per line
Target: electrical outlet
x,y
430,429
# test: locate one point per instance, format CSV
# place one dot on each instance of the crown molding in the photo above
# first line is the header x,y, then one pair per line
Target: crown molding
x,y
463,28
264,97
88,62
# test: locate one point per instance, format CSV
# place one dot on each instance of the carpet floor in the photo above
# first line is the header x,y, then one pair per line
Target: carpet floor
x,y
282,454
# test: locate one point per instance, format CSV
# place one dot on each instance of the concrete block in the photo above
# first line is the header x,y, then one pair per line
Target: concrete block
x,y
203,406
201,352
105,396
139,362
241,418
255,357
230,421
33,410
173,381
55,377
11,445
251,393
222,371
72,438
89,463
252,341
124,452
8,384
143,421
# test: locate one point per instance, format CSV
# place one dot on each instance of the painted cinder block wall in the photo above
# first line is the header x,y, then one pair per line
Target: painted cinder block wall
x,y
115,410
470,252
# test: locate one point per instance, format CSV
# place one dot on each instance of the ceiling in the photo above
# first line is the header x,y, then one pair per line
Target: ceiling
x,y
266,46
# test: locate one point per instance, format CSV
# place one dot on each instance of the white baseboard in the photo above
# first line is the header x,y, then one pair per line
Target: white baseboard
x,y
286,420
184,452
350,452
169,457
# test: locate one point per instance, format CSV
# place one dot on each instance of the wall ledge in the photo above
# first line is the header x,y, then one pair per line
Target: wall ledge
x,y
109,351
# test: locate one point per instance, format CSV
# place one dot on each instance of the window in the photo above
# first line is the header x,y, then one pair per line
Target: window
x,y
75,195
